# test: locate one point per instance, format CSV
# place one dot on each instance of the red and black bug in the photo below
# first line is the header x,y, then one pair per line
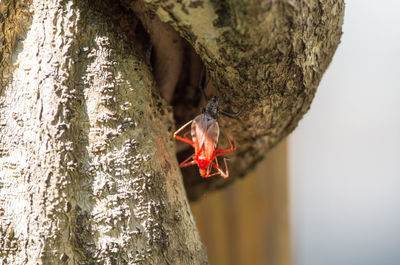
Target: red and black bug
x,y
204,133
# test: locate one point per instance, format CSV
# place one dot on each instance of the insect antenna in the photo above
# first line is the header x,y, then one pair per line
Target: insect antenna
x,y
202,83
212,107
232,115
229,114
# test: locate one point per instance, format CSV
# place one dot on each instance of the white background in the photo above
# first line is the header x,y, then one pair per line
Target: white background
x,y
345,154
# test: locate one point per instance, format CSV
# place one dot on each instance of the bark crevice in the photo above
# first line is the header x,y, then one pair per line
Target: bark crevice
x,y
266,57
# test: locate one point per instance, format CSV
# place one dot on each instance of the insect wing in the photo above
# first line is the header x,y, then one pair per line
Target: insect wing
x,y
205,132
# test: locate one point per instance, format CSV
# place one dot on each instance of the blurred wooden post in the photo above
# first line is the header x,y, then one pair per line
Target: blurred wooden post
x,y
247,223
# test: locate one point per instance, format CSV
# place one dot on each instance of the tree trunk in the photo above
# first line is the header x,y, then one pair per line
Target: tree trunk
x,y
88,172
266,57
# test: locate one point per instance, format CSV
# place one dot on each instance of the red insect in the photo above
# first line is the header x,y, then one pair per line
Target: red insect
x,y
205,133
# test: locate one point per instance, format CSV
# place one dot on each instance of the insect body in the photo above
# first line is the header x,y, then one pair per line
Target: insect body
x,y
205,133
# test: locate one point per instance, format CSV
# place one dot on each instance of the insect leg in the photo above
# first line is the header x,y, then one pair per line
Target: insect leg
x,y
186,163
222,173
184,139
185,135
209,168
220,152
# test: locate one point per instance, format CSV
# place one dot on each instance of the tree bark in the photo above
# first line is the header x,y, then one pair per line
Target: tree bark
x,y
267,59
88,172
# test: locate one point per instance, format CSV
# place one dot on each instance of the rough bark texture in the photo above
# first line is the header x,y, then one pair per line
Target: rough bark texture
x,y
88,173
267,57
